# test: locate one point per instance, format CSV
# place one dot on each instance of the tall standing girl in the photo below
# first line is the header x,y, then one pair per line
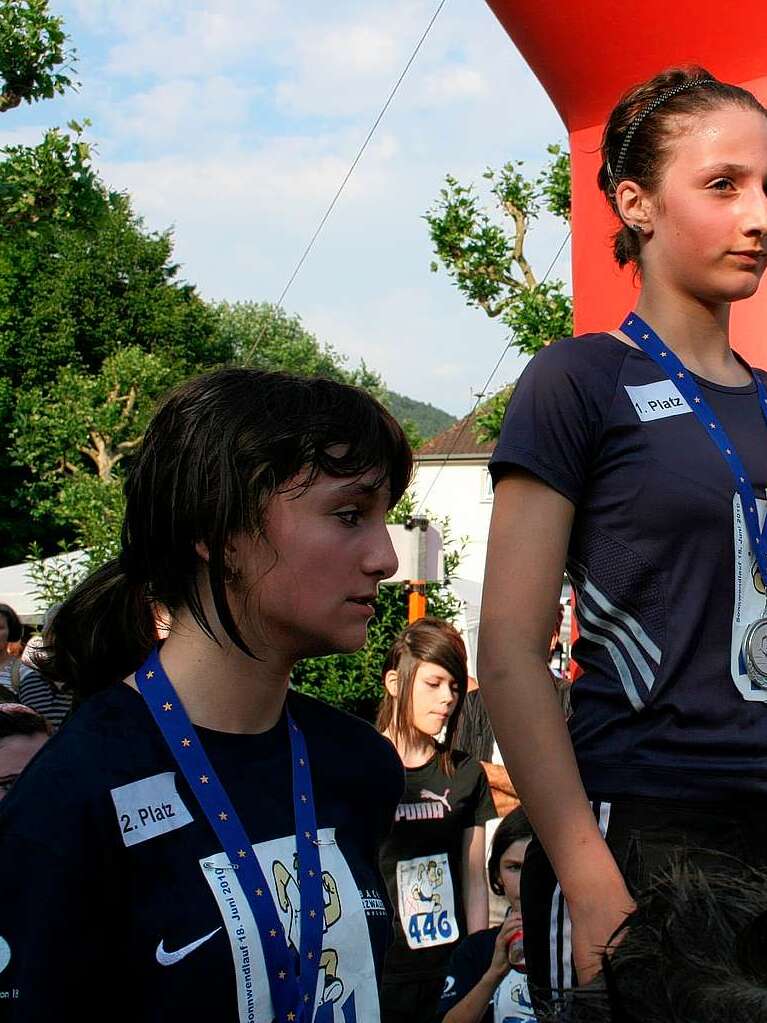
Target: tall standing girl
x,y
433,861
198,842
637,457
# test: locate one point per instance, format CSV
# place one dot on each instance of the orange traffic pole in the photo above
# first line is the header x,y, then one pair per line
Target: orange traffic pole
x,y
416,601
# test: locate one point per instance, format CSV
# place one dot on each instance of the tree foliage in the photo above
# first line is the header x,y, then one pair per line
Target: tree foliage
x,y
33,53
484,254
51,183
267,337
94,326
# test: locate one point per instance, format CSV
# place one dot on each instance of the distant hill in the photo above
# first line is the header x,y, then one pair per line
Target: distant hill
x,y
429,420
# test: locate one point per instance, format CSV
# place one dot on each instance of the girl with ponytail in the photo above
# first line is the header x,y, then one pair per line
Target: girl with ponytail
x,y
194,843
636,459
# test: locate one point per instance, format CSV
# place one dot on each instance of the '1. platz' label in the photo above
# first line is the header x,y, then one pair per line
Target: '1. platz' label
x,y
657,401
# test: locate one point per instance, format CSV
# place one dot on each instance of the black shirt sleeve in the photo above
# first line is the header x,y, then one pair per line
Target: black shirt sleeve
x,y
480,808
556,413
467,965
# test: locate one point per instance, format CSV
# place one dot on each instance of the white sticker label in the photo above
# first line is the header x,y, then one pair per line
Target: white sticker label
x,y
750,599
657,401
347,991
149,807
426,901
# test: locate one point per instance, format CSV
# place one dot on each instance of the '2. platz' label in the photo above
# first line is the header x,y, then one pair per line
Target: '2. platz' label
x,y
657,401
149,807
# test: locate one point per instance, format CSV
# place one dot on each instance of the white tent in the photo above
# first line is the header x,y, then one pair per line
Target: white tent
x,y
17,587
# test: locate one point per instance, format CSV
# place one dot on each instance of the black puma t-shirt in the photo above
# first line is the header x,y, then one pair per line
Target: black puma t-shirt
x,y
422,863
118,904
660,559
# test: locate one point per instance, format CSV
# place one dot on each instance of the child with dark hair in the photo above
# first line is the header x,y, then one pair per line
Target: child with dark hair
x,y
23,733
693,951
433,859
197,829
11,631
486,982
636,459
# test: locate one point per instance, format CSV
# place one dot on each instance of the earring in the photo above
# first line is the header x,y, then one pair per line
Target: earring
x,y
639,228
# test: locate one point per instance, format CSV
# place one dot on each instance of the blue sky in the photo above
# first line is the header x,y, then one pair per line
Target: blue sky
x,y
234,122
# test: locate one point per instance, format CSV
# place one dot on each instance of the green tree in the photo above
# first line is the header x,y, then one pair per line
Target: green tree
x,y
52,183
267,337
484,256
33,53
75,434
94,325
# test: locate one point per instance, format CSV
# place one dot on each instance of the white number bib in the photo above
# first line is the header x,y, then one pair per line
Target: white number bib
x,y
427,901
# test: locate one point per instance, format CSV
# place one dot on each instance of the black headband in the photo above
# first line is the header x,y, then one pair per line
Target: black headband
x,y
649,109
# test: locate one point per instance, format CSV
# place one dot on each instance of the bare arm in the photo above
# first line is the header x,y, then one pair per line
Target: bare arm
x,y
475,898
527,548
473,1006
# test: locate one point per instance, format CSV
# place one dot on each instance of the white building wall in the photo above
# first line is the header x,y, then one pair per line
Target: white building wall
x,y
462,493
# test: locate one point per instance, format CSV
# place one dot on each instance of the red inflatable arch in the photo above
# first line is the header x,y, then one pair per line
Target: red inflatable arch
x,y
586,53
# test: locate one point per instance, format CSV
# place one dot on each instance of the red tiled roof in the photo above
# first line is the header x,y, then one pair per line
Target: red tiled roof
x,y
456,441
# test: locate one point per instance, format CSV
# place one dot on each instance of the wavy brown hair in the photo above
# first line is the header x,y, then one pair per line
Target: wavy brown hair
x,y
427,641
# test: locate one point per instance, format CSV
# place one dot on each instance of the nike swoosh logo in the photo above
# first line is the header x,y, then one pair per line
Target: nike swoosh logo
x,y
169,958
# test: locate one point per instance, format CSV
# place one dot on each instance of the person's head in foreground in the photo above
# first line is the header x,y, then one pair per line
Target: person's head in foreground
x,y
10,628
507,854
22,733
684,166
425,678
694,951
255,516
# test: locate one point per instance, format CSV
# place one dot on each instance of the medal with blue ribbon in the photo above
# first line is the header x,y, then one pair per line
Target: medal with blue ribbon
x,y
755,638
292,973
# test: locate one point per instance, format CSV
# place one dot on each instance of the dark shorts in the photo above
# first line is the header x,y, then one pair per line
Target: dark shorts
x,y
410,1001
645,836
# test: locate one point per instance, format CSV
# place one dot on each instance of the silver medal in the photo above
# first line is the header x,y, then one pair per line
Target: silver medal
x,y
755,652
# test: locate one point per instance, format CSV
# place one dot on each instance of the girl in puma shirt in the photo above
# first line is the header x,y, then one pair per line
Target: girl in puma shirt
x,y
433,860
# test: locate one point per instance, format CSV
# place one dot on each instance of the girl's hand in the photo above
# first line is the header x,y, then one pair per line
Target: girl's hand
x,y
499,964
594,923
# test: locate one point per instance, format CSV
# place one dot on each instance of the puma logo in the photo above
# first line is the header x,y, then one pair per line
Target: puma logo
x,y
426,794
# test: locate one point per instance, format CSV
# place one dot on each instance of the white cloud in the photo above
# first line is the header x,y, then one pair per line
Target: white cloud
x,y
236,122
186,39
182,112
453,84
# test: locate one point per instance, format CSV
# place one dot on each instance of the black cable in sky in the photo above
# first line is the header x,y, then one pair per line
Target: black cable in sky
x,y
349,173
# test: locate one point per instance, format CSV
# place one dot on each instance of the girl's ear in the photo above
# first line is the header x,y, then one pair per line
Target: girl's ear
x,y
391,683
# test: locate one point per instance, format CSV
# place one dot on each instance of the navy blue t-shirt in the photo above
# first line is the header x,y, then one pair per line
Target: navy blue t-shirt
x,y
118,904
666,582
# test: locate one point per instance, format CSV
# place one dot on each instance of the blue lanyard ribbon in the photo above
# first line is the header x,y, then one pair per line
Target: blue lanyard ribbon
x,y
651,344
292,986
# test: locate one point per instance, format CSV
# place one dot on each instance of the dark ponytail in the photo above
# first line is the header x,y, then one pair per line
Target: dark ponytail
x,y
103,632
215,453
640,130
